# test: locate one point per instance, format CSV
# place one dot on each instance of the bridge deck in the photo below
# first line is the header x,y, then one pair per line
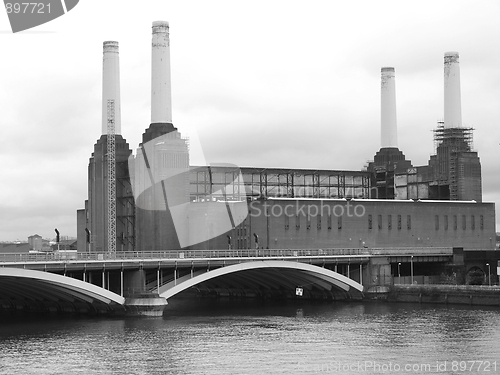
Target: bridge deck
x,y
188,258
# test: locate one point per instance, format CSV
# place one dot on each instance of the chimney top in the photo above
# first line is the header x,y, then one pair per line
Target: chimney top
x,y
160,26
110,46
451,57
387,69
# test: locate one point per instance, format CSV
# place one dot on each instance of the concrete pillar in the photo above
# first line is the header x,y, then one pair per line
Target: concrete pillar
x,y
138,301
111,85
134,282
380,272
388,119
452,96
161,97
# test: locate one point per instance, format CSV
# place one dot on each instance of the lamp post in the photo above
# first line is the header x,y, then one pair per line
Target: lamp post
x,y
412,269
57,238
399,272
489,274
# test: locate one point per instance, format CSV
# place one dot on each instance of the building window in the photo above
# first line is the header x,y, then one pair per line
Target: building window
x,y
287,222
436,220
408,222
379,222
445,222
339,222
481,222
472,222
389,222
455,222
369,221
464,222
297,221
329,221
399,221
319,222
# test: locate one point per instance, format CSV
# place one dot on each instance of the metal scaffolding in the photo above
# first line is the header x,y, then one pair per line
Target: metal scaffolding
x,y
460,139
111,177
449,143
233,183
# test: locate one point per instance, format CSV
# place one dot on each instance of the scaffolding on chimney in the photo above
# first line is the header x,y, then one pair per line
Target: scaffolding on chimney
x,y
449,143
111,146
459,139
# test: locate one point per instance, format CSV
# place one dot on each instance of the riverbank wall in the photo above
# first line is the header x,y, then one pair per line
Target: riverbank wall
x,y
445,294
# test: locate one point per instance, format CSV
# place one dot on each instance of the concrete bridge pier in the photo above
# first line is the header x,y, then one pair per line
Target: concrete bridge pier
x,y
379,279
139,301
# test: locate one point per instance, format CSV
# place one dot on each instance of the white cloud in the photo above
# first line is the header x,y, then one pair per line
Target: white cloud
x,y
279,84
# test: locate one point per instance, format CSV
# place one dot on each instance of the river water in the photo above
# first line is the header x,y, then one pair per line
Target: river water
x,y
225,337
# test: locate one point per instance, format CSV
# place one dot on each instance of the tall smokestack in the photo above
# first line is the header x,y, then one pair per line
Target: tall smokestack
x,y
161,98
389,130
111,84
452,100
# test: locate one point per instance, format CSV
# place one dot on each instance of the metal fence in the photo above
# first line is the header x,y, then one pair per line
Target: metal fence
x,y
212,254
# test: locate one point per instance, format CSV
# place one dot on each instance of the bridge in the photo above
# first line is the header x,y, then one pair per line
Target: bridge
x,y
124,282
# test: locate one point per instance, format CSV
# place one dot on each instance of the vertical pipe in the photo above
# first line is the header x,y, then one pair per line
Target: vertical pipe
x,y
452,96
388,119
161,98
361,273
268,229
110,85
411,269
158,280
121,282
103,279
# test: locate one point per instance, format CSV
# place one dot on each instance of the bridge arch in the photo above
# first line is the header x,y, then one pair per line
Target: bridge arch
x,y
289,274
45,291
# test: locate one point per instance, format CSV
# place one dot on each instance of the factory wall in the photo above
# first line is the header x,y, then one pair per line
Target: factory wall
x,y
160,179
302,224
98,175
81,224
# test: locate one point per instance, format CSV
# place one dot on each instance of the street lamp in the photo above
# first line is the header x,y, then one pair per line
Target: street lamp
x,y
412,269
399,272
489,274
57,238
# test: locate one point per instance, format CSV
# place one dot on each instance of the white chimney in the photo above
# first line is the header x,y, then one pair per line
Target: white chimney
x,y
452,99
111,85
389,129
161,98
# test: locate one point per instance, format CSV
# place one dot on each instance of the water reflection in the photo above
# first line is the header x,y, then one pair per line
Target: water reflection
x,y
223,337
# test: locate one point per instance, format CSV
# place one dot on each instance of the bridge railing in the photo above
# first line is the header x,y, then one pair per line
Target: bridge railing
x,y
176,254
210,254
409,251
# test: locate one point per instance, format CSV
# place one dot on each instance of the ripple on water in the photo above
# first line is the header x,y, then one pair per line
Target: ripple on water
x,y
226,338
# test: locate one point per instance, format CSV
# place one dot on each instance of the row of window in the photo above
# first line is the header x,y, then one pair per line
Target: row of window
x,y
454,219
445,222
389,222
318,222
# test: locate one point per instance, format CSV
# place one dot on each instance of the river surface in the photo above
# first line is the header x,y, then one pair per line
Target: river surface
x,y
224,337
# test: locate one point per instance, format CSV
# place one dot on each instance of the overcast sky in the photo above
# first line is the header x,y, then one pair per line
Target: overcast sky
x,y
289,84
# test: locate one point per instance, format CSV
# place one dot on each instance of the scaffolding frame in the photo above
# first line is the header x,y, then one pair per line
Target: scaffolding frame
x,y
459,138
111,148
248,182
449,143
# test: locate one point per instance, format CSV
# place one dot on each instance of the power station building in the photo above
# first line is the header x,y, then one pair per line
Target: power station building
x,y
164,203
